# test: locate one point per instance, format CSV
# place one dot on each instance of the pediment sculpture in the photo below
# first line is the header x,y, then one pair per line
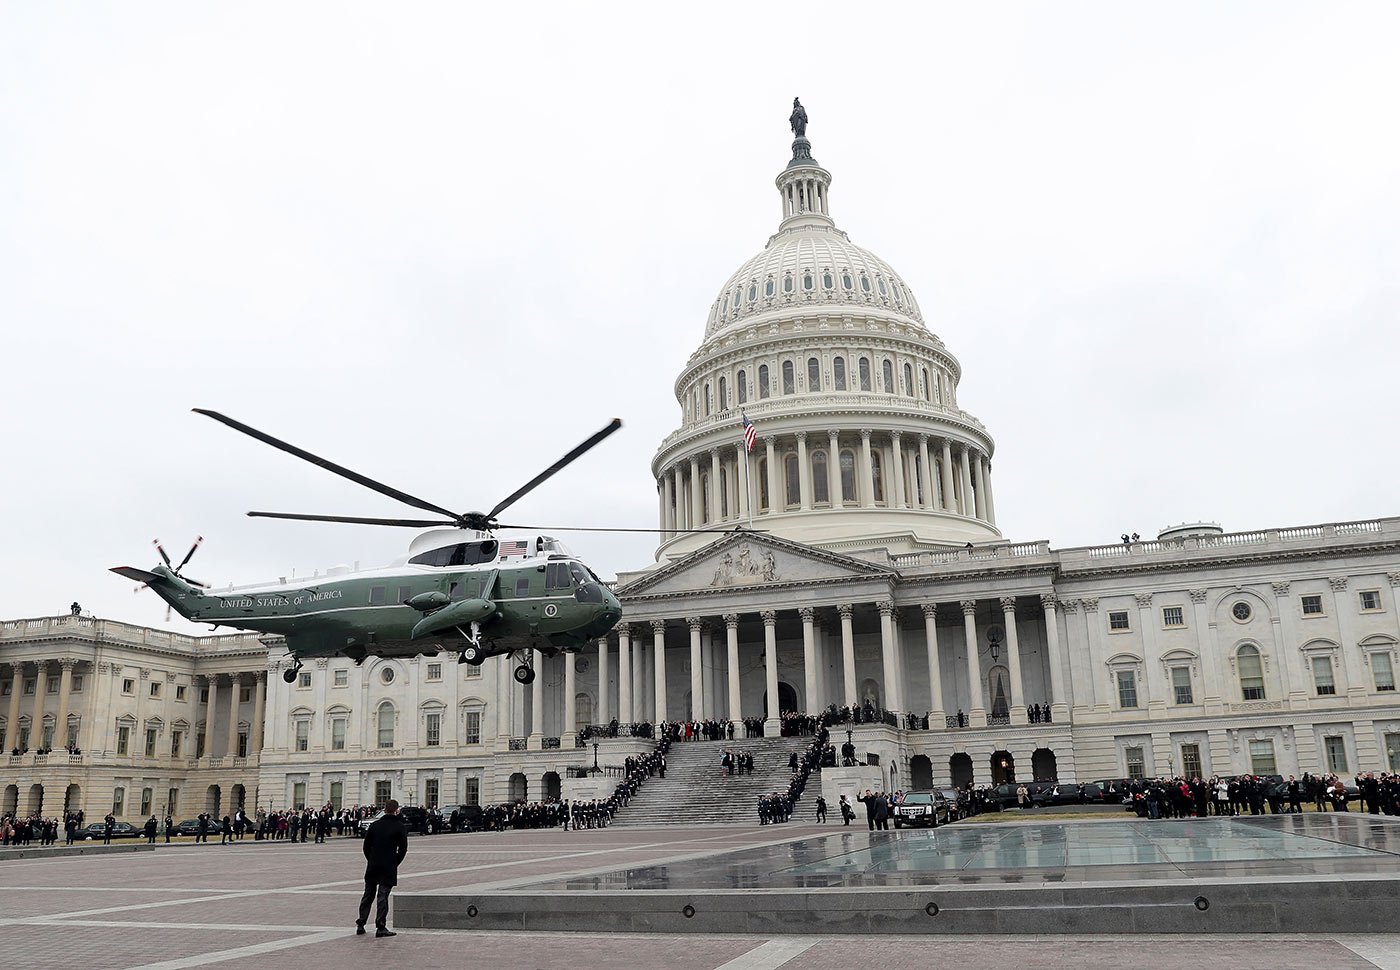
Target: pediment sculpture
x,y
745,569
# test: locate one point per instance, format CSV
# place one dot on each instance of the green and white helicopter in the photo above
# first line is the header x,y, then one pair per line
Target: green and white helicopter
x,y
459,588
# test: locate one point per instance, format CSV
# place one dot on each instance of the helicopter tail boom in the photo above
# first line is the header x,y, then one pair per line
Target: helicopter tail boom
x,y
168,586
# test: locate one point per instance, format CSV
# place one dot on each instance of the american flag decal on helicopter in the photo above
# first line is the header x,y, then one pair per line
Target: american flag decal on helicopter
x,y
517,547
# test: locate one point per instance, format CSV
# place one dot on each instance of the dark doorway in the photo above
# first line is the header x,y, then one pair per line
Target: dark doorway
x,y
920,772
1003,768
787,699
1043,765
551,784
960,769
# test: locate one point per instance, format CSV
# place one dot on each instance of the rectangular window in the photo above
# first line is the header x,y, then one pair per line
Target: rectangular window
x,y
128,686
29,687
1261,758
1181,685
204,695
1191,761
1118,620
405,594
242,744
377,595
1312,605
123,739
338,734
430,792
433,734
471,789
299,794
51,686
303,679
434,672
342,678
1172,616
245,694
1322,676
77,683
1383,670
1136,766
303,734
471,733
470,672
6,689
1392,751
118,802
147,796
1370,599
522,587
23,738
1336,753
175,738
47,742
155,689
172,802
199,744
1127,688
150,746
180,692
381,793
337,794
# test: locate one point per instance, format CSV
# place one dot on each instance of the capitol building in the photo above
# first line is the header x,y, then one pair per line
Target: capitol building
x,y
859,563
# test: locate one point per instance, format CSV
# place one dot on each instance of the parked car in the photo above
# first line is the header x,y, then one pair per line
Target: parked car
x,y
959,803
922,808
365,823
469,817
122,830
189,826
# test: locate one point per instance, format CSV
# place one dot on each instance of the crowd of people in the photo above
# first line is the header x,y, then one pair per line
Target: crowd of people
x,y
1258,795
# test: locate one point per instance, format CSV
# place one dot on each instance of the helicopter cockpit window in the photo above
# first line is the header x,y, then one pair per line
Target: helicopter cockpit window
x,y
461,554
580,574
557,576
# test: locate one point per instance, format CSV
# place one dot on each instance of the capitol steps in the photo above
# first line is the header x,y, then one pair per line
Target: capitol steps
x,y
696,790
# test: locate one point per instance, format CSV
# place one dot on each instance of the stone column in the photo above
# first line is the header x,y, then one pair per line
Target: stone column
x,y
848,655
537,700
833,469
936,715
809,659
36,716
604,712
976,713
644,677
211,711
65,690
741,481
731,634
1357,684
926,477
979,497
570,726
16,691
1151,659
1093,636
987,490
715,503
697,495
237,685
1059,701
624,674
772,726
969,507
945,471
897,469
776,502
255,740
889,657
667,505
699,708
804,473
1017,701
1292,658
658,639
867,477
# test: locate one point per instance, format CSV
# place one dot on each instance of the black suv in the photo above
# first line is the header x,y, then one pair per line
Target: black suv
x,y
922,808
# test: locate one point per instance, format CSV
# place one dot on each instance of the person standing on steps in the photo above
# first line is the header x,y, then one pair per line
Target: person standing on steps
x,y
385,845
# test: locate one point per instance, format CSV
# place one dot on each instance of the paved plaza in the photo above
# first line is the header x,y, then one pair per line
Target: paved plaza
x,y
254,905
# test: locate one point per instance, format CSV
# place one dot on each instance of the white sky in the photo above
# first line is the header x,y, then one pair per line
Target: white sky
x,y
443,243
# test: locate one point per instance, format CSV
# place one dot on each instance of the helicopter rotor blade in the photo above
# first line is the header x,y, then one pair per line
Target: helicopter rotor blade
x,y
355,520
331,466
189,555
529,486
585,528
161,549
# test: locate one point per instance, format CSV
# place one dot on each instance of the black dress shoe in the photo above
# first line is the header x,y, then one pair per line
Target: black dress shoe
x,y
383,932
359,929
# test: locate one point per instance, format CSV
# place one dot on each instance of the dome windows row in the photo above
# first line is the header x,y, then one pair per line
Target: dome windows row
x,y
859,373
810,284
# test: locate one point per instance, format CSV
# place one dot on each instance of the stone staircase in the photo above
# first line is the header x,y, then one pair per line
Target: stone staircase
x,y
696,791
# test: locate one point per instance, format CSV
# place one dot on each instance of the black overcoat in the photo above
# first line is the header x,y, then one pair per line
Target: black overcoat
x,y
386,843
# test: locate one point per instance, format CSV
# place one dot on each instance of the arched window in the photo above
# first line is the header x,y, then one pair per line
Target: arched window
x,y
937,389
838,367
877,476
753,292
927,396
789,381
814,374
847,282
768,288
1251,669
705,497
743,387
887,371
880,282
787,283
821,494
794,484
725,311
848,476
865,373
763,484
807,282
723,492
762,380
827,280
723,394
736,301
385,722
919,478
908,380
865,282
707,400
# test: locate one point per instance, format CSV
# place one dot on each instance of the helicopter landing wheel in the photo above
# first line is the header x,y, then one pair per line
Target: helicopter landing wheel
x,y
472,654
524,674
290,676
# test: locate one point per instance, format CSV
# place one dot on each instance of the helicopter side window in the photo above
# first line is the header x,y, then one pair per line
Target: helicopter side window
x,y
455,592
461,554
376,595
556,576
405,593
522,587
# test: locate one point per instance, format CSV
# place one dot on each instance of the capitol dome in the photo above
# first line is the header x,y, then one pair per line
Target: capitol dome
x,y
860,443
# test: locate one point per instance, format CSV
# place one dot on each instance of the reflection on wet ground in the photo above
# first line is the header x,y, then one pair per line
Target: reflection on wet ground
x,y
963,854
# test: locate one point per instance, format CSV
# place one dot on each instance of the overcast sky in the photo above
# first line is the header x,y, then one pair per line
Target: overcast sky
x,y
443,243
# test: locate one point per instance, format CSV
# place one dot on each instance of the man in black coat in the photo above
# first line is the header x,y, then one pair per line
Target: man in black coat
x,y
386,843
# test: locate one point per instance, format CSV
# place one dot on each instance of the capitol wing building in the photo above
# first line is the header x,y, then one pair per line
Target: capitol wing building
x,y
862,568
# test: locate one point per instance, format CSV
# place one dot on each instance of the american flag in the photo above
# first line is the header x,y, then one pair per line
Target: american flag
x,y
750,433
516,547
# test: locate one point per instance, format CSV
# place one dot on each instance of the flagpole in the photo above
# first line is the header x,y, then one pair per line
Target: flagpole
x,y
748,480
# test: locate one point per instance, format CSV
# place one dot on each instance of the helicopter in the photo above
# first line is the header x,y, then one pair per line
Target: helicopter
x,y
459,588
